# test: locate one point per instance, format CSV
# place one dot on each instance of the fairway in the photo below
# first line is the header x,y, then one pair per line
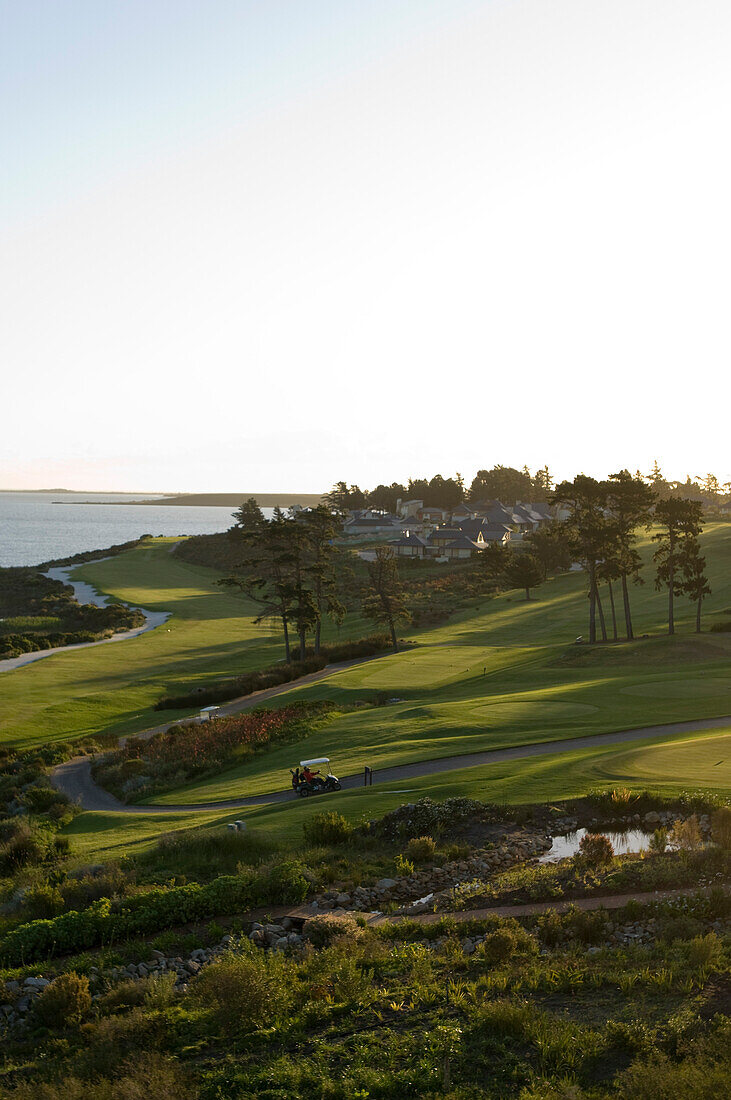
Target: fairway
x,y
680,763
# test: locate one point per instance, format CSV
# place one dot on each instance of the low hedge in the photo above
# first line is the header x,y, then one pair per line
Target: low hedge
x,y
221,691
105,922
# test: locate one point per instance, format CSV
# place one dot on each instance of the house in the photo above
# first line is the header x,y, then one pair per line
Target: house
x,y
409,509
433,515
410,546
461,547
443,535
363,527
500,533
461,512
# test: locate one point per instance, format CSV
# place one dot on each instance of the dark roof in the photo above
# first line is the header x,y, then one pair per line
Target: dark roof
x,y
462,543
385,522
442,533
542,509
408,540
472,527
494,534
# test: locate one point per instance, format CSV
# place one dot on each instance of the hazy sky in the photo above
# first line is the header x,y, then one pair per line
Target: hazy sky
x,y
267,245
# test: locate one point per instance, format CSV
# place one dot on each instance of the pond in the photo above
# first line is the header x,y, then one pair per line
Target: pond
x,y
633,840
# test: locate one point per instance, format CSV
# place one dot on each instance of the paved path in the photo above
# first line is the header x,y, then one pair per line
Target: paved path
x,y
85,593
612,901
74,777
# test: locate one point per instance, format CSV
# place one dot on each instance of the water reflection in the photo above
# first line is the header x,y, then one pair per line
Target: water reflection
x,y
633,840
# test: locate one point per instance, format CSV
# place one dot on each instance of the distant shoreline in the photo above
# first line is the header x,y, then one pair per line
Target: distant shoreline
x,y
215,500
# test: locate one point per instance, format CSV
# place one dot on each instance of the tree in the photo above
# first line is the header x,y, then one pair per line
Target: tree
x,y
630,502
543,483
550,547
659,485
386,497
322,527
524,571
586,531
711,487
343,498
384,601
249,517
264,574
494,559
680,520
503,483
694,582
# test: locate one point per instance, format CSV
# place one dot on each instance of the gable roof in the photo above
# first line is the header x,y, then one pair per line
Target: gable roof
x,y
462,543
442,533
408,540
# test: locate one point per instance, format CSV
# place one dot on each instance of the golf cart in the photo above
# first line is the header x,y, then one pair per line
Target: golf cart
x,y
307,781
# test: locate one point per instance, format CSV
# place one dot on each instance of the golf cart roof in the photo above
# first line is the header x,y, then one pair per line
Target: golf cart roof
x,y
317,760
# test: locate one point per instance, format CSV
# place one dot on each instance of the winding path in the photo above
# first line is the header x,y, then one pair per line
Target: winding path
x,y
85,593
75,780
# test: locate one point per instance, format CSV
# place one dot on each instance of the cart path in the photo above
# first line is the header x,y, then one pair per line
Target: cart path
x,y
74,777
86,593
529,909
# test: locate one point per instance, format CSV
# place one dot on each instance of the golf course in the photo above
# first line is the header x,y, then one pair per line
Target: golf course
x,y
501,672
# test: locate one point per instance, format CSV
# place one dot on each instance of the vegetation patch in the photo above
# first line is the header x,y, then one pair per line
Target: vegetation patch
x,y
141,768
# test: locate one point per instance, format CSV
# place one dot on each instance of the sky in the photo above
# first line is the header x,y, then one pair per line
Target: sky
x,y
270,245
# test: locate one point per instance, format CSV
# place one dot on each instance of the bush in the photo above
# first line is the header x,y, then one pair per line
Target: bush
x,y
145,1075
420,849
705,950
327,827
679,928
503,943
595,850
65,1001
721,827
23,847
42,901
327,928
686,835
246,990
659,840
281,884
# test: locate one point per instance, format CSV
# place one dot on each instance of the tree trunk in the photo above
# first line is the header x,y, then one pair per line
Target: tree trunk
x,y
614,611
392,627
698,615
285,628
600,609
627,609
592,605
671,594
318,628
527,593
303,644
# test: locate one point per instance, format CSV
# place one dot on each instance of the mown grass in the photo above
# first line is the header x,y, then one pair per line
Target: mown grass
x,y
112,689
671,766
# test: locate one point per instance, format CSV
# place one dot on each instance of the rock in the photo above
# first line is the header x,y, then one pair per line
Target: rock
x,y
652,817
192,966
343,900
36,983
386,884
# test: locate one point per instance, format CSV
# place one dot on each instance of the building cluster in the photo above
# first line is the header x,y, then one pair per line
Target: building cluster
x,y
416,531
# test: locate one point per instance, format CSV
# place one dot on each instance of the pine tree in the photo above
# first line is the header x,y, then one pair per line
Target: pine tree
x,y
694,582
586,531
524,571
384,602
630,503
681,520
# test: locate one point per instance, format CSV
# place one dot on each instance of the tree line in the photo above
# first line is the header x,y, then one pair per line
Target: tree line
x,y
508,485
601,529
291,568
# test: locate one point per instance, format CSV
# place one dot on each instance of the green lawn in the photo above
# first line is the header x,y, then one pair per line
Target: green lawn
x,y
701,760
112,688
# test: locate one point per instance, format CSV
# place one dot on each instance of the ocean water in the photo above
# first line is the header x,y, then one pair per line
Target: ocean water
x,y
35,528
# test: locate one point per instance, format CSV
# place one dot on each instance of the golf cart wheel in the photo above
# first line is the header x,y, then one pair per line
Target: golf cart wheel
x,y
304,793
336,785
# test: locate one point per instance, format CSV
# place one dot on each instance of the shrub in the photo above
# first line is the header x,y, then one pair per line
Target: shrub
x,y
705,950
659,840
245,990
686,834
420,849
404,866
721,827
42,901
23,847
327,827
679,928
503,943
327,928
65,1001
595,850
281,884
